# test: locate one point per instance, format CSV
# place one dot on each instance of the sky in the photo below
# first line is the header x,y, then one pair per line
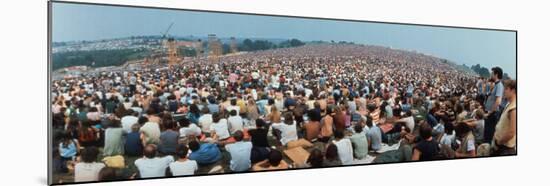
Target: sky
x,y
71,22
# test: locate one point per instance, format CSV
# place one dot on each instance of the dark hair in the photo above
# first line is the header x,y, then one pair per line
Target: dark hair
x,y
445,119
315,158
89,154
331,152
194,109
449,128
275,158
169,124
233,112
369,121
151,111
114,123
233,102
313,116
270,101
216,117
339,134
107,174
184,122
358,128
93,109
194,145
425,131
205,110
497,71
289,118
150,151
462,129
238,135
182,151
260,123
142,120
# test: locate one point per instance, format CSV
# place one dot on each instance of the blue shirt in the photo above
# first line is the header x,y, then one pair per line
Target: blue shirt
x,y
168,142
133,146
261,106
240,155
375,137
69,151
498,91
410,89
207,154
213,108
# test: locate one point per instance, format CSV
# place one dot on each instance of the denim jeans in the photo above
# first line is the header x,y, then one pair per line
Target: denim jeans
x,y
490,124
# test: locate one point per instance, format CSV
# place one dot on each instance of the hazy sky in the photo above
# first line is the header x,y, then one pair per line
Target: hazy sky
x,y
469,46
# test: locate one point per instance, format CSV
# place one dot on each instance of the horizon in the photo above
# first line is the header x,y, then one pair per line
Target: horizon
x,y
84,22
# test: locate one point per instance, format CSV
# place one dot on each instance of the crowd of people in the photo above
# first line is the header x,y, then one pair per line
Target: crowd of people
x,y
343,103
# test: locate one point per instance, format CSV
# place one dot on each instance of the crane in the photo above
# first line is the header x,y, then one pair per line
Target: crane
x,y
166,32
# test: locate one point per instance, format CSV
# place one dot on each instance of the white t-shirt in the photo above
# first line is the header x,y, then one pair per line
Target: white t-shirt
x,y
191,130
127,122
185,168
231,107
87,171
345,151
235,123
153,167
152,131
205,121
288,132
220,129
137,109
409,121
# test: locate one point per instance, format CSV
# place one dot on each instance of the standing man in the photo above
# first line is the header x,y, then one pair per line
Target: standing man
x,y
504,142
492,104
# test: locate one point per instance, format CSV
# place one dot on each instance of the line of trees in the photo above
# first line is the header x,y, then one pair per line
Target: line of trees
x,y
101,58
485,72
249,45
97,58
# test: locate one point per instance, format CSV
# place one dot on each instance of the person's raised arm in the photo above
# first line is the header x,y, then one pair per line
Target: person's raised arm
x,y
142,137
259,166
470,122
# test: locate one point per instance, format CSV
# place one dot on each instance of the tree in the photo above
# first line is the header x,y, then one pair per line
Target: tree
x,y
506,76
226,48
296,43
482,71
101,58
188,52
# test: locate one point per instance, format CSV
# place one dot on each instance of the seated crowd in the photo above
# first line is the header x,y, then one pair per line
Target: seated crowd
x,y
293,111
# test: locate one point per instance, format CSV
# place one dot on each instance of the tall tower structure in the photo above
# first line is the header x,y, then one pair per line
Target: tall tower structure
x,y
172,51
199,48
214,47
233,45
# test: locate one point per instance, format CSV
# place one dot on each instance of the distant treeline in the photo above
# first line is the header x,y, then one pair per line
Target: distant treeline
x,y
102,58
249,45
99,58
485,72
